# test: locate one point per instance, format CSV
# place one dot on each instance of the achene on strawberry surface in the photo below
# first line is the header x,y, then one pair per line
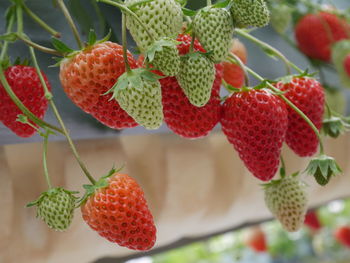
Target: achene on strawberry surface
x,y
25,83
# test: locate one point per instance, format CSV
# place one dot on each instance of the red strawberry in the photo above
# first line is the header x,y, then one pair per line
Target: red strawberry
x,y
312,221
255,239
233,74
316,33
308,95
346,64
255,122
180,115
185,119
26,84
119,213
91,73
342,235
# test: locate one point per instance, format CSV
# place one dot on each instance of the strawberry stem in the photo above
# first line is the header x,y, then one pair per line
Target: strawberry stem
x,y
124,40
37,46
45,144
241,65
126,10
70,21
289,103
58,117
19,15
6,43
39,21
192,41
266,46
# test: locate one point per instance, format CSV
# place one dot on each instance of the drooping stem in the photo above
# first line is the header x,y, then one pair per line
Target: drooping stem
x,y
39,21
126,10
59,119
283,167
19,15
276,52
37,46
124,40
288,102
6,44
46,171
241,65
71,23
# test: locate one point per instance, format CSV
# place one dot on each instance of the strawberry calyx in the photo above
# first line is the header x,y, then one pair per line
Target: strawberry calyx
x,y
158,46
323,168
289,78
69,53
335,126
134,78
52,192
276,182
101,183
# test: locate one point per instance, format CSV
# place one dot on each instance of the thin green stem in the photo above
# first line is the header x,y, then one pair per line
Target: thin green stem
x,y
276,52
329,111
59,119
71,23
101,18
288,102
40,22
208,2
6,44
19,15
242,66
37,46
126,10
283,167
46,170
192,41
124,40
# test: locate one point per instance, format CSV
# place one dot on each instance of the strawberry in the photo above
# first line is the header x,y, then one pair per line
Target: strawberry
x,y
205,26
255,239
185,119
86,76
308,95
287,200
56,208
312,221
341,60
316,33
163,18
25,83
139,93
346,64
250,13
255,122
118,211
342,235
233,74
196,78
185,44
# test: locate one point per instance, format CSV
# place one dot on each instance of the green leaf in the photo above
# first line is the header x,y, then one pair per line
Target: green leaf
x,y
222,4
60,46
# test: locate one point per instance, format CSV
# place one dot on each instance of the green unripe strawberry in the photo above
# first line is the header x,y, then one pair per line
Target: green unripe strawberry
x,y
163,18
281,17
214,29
56,208
196,78
287,200
138,92
340,51
250,13
164,56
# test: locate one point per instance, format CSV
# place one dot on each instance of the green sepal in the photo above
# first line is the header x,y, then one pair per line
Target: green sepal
x,y
182,2
60,46
158,46
287,79
223,4
335,126
50,192
278,181
134,78
101,183
188,12
195,54
136,6
92,37
323,168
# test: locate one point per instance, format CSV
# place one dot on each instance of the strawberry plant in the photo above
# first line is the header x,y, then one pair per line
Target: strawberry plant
x,y
181,73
